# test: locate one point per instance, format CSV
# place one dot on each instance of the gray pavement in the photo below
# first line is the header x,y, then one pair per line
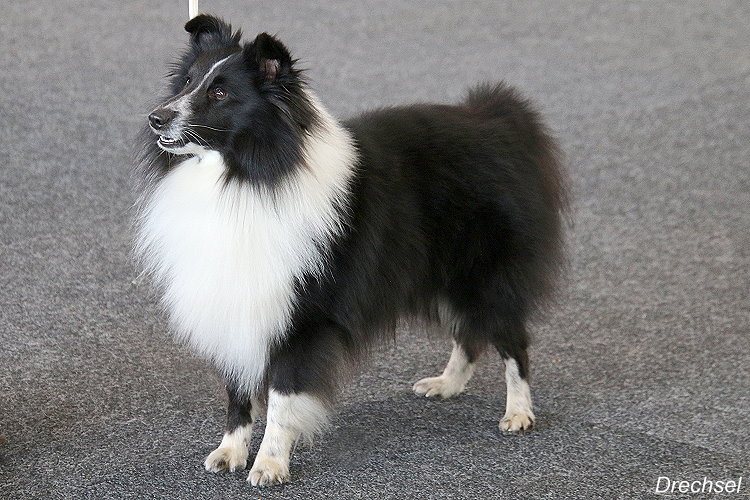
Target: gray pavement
x,y
642,369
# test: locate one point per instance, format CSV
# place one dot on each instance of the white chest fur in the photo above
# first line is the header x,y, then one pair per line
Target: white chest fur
x,y
227,256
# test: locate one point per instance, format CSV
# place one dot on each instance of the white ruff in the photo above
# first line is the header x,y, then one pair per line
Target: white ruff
x,y
227,256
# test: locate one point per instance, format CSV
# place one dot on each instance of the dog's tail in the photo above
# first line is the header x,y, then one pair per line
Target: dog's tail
x,y
501,101
503,105
498,100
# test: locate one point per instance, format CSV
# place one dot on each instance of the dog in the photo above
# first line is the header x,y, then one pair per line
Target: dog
x,y
285,242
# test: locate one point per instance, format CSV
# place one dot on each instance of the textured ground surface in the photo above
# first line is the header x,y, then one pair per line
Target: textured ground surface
x,y
643,369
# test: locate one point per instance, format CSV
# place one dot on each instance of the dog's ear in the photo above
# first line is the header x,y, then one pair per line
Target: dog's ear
x,y
269,57
210,32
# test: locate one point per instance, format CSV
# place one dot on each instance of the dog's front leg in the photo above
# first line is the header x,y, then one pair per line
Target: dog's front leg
x,y
290,416
302,379
231,455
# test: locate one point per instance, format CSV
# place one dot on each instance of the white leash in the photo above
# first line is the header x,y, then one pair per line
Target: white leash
x,y
192,8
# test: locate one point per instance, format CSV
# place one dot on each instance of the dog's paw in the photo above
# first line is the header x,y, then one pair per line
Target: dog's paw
x,y
268,472
227,458
441,386
518,422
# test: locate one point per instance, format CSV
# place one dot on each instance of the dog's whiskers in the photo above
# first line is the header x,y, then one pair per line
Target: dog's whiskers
x,y
192,134
210,128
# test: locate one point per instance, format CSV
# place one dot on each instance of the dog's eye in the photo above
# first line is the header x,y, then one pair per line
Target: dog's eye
x,y
187,81
218,93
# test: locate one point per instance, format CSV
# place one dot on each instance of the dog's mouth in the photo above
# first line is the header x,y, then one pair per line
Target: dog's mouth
x,y
167,143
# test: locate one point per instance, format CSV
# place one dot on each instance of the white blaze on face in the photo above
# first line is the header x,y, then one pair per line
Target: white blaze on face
x,y
181,105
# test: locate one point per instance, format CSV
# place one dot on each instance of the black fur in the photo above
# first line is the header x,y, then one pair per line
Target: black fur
x,y
239,407
454,204
459,203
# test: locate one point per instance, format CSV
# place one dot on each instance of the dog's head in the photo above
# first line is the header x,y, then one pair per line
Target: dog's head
x,y
240,99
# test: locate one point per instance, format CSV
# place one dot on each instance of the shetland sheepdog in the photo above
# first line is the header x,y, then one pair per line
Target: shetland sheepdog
x,y
285,242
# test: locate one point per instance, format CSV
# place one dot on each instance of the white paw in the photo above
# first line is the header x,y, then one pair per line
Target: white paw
x,y
441,386
518,421
267,472
229,458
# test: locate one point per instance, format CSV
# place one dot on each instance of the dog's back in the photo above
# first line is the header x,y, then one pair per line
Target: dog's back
x,y
462,202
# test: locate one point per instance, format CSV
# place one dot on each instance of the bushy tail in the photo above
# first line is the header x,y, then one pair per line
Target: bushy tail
x,y
501,102
495,100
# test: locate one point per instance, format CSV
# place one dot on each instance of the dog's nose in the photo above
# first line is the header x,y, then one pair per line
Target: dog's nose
x,y
161,118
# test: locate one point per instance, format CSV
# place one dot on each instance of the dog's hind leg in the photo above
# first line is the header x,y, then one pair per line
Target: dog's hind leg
x,y
452,381
467,348
519,415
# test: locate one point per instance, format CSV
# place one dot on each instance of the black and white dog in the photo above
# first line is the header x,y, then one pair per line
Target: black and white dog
x,y
286,242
